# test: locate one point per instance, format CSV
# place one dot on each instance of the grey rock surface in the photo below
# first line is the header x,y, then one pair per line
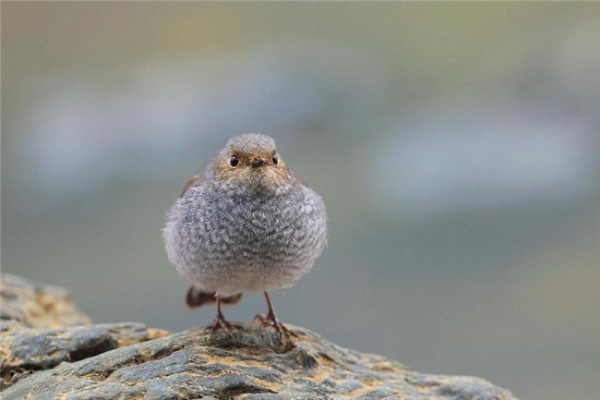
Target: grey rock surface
x,y
130,361
37,305
24,351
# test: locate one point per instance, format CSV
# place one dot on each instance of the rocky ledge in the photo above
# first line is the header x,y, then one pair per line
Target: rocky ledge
x,y
72,359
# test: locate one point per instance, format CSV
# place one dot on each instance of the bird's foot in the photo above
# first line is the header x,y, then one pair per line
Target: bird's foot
x,y
221,323
270,319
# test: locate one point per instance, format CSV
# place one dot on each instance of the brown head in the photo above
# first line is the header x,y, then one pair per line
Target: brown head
x,y
252,158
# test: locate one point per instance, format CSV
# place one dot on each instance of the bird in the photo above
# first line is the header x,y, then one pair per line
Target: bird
x,y
244,223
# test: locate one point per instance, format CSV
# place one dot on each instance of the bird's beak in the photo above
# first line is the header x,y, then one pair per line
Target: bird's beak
x,y
257,162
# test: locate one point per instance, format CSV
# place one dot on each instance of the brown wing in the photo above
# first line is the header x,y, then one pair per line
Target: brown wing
x,y
200,175
228,301
299,179
194,181
196,298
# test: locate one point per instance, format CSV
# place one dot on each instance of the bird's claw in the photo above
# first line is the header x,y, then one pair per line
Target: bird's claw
x,y
221,323
270,319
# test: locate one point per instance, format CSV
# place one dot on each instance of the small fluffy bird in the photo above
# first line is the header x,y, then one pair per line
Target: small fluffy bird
x,y
244,223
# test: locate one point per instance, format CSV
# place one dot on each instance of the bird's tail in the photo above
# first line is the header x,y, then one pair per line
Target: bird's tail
x,y
196,298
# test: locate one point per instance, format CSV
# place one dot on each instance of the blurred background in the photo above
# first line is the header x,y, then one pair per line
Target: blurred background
x,y
456,145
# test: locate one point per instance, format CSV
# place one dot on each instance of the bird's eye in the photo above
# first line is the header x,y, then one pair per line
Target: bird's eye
x,y
234,161
275,159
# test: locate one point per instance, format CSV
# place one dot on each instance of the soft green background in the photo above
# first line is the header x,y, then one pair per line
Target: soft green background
x,y
456,146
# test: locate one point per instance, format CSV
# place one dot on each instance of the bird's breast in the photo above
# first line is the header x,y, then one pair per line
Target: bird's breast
x,y
254,226
236,241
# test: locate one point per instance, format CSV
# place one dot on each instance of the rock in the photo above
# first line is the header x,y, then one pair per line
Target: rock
x,y
38,306
26,348
130,361
25,351
248,363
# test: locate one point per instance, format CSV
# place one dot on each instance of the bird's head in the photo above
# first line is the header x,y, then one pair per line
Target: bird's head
x,y
252,159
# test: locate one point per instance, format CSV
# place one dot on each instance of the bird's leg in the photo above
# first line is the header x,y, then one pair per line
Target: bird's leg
x,y
271,319
220,321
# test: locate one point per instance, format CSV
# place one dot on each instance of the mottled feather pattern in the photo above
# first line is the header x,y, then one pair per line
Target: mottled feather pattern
x,y
230,238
